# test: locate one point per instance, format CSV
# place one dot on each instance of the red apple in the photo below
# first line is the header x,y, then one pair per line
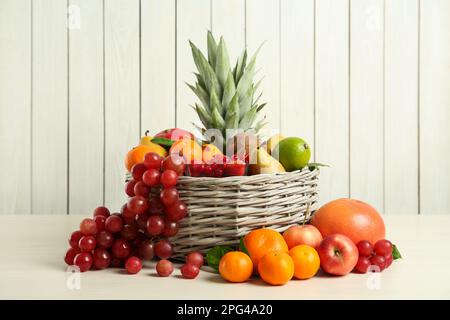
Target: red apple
x,y
306,234
338,254
174,134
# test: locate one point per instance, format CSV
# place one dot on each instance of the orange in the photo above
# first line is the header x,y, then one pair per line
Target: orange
x,y
137,154
306,261
259,242
353,218
188,148
276,268
236,266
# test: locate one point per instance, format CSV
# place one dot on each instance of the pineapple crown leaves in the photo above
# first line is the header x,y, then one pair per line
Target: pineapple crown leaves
x,y
226,95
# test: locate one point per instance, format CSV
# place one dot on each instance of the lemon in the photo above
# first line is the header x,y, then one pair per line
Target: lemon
x,y
293,153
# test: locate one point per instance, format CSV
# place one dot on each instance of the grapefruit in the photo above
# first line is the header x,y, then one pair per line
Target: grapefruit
x,y
353,218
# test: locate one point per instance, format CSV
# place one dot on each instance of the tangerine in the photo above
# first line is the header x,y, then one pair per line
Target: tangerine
x,y
137,154
306,261
259,242
276,268
236,266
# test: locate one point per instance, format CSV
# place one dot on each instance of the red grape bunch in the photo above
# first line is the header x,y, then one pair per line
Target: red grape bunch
x,y
374,257
142,228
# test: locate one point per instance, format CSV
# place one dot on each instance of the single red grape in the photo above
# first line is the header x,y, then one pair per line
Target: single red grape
x,y
174,162
153,160
83,260
113,224
133,265
145,250
169,178
102,258
87,243
151,177
169,196
70,255
363,265
195,258
129,232
164,268
155,225
121,248
189,271
141,189
155,207
129,187
104,240
389,259
365,248
138,205
170,228
126,214
88,227
382,247
101,211
137,171
74,238
176,211
163,249
100,222
378,261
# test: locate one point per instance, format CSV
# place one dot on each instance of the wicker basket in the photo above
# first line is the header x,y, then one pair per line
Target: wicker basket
x,y
222,210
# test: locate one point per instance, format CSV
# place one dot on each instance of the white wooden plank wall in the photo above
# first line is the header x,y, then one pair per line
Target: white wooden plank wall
x,y
365,82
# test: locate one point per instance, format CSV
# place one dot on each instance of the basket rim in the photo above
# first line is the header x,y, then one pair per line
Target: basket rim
x,y
243,178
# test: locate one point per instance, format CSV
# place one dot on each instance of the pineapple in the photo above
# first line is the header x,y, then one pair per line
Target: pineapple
x,y
226,95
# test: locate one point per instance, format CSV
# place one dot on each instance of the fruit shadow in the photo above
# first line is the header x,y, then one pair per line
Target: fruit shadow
x,y
322,274
216,278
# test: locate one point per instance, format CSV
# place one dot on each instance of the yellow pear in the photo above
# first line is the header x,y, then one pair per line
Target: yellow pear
x,y
265,164
272,142
146,140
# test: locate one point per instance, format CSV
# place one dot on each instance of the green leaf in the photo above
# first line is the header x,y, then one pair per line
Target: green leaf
x,y
259,108
245,102
247,119
216,119
215,103
207,73
242,246
228,92
233,108
240,66
201,95
246,81
222,66
203,115
212,48
200,81
316,165
214,255
163,142
395,253
260,124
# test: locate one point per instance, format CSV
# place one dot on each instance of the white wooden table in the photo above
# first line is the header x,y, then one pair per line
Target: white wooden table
x,y
32,250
